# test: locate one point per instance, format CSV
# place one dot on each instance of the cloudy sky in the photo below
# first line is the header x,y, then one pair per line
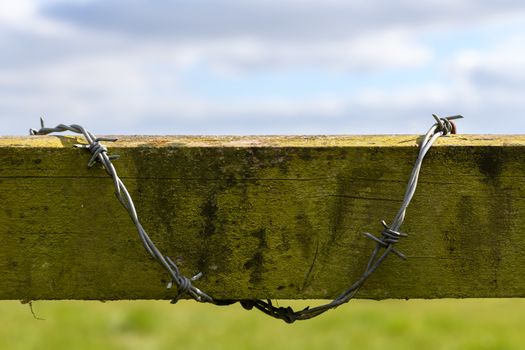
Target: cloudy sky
x,y
262,66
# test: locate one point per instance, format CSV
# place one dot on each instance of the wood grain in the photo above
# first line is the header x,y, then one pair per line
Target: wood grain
x,y
262,217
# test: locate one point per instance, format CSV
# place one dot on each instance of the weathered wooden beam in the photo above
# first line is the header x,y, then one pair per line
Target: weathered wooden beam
x,y
262,217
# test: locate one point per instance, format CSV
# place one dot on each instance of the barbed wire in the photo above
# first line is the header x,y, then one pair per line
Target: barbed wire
x,y
390,234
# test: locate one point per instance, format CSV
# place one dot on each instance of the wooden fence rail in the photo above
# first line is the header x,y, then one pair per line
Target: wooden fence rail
x,y
262,217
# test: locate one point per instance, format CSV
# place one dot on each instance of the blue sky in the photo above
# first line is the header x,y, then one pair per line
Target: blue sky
x,y
262,67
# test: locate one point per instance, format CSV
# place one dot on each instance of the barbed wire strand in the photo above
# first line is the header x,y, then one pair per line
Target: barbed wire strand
x,y
390,234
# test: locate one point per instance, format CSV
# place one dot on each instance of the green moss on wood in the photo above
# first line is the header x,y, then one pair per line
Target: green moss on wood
x,y
262,217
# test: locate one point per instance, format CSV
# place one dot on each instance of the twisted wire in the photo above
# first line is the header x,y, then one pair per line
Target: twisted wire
x,y
389,236
100,154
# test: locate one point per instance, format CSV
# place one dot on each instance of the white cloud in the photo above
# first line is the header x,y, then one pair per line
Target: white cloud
x,y
368,52
272,19
501,67
122,81
24,16
17,12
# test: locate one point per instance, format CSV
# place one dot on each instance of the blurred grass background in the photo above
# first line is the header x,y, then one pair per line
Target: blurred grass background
x,y
361,324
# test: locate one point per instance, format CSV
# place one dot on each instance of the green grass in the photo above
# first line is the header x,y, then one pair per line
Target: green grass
x,y
361,324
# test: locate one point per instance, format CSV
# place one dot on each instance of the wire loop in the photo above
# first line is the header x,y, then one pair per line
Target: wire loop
x,y
390,235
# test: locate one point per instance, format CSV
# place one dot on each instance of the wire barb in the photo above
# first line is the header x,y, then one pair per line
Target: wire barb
x,y
99,154
390,235
446,125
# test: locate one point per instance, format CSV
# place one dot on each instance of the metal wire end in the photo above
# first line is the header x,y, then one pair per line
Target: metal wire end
x,y
33,132
390,237
199,295
389,231
454,117
439,122
93,160
196,277
109,139
94,157
374,238
446,125
398,253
